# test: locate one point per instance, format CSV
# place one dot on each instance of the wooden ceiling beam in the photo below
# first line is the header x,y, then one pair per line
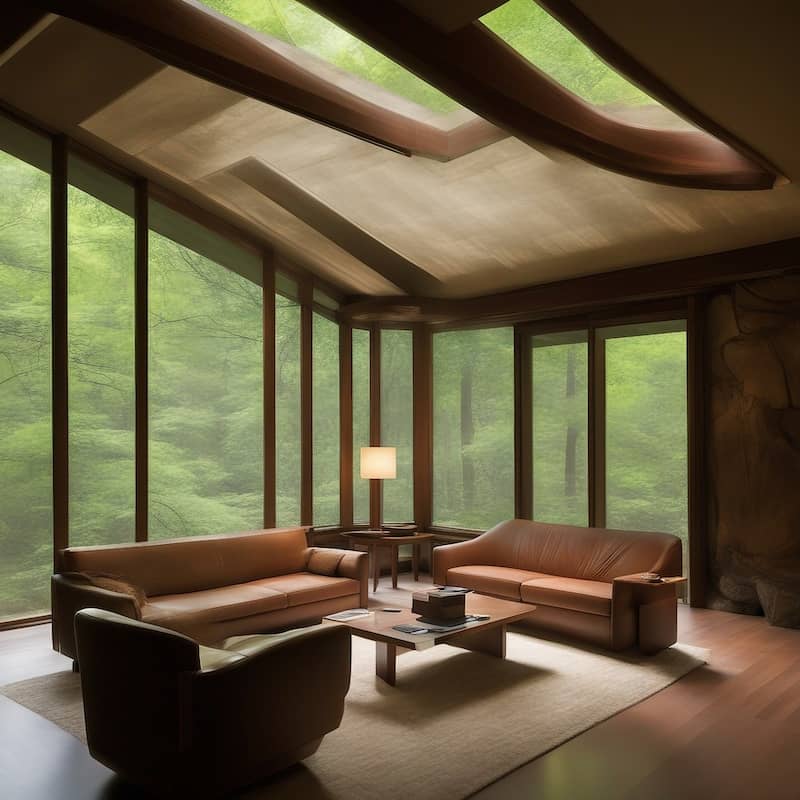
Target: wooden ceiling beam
x,y
211,47
471,65
450,15
680,278
18,24
483,73
340,230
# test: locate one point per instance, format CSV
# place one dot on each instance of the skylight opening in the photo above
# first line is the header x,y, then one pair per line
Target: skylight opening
x,y
551,47
293,23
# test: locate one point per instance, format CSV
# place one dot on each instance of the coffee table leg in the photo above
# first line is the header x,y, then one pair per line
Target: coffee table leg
x,y
415,560
491,641
395,555
386,662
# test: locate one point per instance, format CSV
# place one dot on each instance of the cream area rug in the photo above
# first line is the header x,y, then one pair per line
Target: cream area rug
x,y
455,722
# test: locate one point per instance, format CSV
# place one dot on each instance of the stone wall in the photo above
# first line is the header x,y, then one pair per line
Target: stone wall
x,y
753,337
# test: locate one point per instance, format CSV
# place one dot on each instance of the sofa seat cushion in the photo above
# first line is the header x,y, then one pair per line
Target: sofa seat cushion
x,y
501,581
590,597
306,587
214,605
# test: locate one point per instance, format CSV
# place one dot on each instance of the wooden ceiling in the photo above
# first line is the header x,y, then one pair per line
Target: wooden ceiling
x,y
373,222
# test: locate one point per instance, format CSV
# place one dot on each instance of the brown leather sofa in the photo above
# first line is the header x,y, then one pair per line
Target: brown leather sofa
x,y
584,581
209,587
190,721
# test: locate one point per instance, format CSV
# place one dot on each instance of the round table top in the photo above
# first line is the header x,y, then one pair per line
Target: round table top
x,y
385,537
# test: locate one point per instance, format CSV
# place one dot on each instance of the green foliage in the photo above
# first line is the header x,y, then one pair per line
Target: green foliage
x,y
292,22
646,436
26,532
473,428
205,392
325,407
560,405
397,422
360,422
547,44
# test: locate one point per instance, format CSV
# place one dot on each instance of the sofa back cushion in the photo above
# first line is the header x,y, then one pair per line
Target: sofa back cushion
x,y
595,554
176,566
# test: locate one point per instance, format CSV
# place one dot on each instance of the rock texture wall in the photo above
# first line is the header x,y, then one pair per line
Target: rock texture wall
x,y
754,449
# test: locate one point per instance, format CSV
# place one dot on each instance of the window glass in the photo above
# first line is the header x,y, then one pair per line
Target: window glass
x,y
101,357
26,524
295,24
397,422
473,428
556,51
325,405
646,430
361,419
559,369
205,393
287,408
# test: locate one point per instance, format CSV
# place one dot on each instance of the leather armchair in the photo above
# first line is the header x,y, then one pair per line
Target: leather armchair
x,y
186,720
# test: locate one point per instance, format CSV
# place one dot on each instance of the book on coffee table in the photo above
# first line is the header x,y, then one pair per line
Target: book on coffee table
x,y
349,615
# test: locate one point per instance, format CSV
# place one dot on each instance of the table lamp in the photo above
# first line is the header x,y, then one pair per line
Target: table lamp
x,y
378,463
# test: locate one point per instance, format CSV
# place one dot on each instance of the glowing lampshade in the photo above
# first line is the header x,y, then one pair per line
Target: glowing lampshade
x,y
378,462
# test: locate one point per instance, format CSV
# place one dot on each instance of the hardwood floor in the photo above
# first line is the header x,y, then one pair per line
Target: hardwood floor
x,y
730,730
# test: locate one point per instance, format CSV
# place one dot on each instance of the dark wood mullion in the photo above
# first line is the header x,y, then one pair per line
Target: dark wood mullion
x,y
306,407
697,399
268,334
345,426
523,426
59,288
141,358
423,426
597,430
375,487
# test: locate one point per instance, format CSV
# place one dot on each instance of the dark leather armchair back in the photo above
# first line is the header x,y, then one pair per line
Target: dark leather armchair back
x,y
185,720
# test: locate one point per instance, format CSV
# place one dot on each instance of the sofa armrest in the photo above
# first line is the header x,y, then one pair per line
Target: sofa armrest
x,y
459,554
349,564
68,596
355,565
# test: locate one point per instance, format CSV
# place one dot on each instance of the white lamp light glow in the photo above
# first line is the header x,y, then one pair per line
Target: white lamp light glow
x,y
378,463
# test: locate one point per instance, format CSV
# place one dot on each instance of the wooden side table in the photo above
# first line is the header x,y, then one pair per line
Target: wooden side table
x,y
375,539
655,603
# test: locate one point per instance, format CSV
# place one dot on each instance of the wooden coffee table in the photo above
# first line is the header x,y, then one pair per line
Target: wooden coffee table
x,y
487,636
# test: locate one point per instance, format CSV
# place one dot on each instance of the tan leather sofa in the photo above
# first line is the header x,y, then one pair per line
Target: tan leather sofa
x,y
584,581
210,587
191,721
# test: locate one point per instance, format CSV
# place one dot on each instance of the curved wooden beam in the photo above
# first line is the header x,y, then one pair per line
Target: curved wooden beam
x,y
478,69
572,18
470,64
198,41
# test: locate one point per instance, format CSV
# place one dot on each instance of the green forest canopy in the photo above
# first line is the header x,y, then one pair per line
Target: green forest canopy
x,y
523,24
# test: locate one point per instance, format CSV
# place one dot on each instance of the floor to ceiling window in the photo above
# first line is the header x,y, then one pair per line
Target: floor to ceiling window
x,y
101,356
205,382
637,415
26,525
397,422
325,409
559,391
288,422
361,417
473,427
645,428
